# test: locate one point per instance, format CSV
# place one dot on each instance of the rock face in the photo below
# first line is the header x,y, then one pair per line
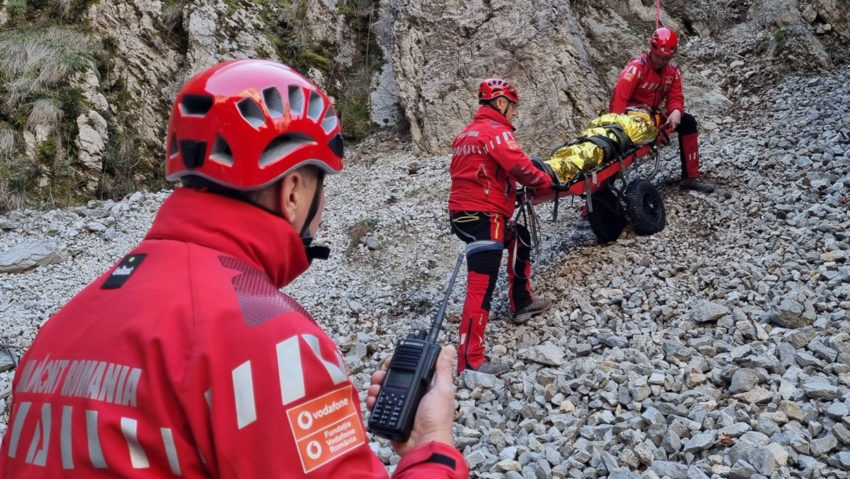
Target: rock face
x,y
216,32
424,60
829,16
443,50
386,110
91,142
564,57
145,59
153,65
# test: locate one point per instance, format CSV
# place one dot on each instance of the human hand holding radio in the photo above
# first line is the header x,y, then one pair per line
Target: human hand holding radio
x,y
435,415
412,397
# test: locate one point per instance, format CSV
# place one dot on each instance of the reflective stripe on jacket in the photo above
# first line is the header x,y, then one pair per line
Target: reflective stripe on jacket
x,y
487,162
185,360
640,84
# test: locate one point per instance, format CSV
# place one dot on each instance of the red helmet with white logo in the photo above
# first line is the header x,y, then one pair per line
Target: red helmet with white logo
x,y
664,42
243,124
493,88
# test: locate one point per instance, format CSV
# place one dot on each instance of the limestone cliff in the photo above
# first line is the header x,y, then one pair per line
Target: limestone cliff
x,y
92,122
564,57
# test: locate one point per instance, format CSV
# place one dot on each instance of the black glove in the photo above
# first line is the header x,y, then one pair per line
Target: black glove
x,y
545,168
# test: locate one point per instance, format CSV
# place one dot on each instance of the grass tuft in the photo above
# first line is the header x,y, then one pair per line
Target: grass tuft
x,y
65,8
45,112
8,141
40,60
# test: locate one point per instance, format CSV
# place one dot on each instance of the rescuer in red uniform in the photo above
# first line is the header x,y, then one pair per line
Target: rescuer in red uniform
x,y
185,359
487,162
652,80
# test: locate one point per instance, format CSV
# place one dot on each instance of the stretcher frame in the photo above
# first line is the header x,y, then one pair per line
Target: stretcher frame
x,y
588,182
624,167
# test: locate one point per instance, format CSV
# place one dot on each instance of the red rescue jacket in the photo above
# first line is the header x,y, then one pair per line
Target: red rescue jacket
x,y
487,162
185,360
641,84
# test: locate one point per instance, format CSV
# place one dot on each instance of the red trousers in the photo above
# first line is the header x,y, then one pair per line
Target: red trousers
x,y
689,146
486,235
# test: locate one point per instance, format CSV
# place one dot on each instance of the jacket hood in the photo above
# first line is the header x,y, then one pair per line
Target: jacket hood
x,y
235,228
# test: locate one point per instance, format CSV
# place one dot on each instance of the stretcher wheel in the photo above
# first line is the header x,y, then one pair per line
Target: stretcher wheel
x,y
644,207
607,219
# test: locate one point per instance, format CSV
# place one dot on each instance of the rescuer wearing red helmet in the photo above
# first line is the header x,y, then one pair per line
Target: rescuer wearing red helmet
x,y
652,80
487,162
185,359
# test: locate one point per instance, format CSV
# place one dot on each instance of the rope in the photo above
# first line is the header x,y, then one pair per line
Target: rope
x,y
525,215
657,14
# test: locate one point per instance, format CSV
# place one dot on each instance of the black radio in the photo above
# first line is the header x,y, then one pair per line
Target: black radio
x,y
408,377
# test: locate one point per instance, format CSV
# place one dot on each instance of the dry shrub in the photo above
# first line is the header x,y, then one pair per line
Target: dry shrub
x,y
38,60
11,199
356,233
65,8
44,113
8,141
172,14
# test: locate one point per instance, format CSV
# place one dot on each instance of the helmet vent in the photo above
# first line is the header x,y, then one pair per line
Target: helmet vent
x,y
193,153
336,144
251,112
296,100
282,146
316,106
221,152
196,105
274,103
172,148
331,121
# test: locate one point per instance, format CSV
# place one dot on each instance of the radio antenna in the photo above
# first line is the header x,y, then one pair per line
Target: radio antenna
x,y
438,321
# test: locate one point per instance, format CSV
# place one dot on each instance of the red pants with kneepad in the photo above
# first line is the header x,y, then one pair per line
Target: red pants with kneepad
x,y
486,236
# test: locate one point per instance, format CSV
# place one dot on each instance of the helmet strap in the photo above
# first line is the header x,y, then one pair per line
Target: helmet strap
x,y
315,251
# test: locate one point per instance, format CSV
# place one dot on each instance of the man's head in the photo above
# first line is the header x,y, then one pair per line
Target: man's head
x,y
662,46
257,130
298,197
500,95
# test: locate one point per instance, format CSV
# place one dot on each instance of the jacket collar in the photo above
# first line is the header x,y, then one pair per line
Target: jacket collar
x,y
485,112
234,228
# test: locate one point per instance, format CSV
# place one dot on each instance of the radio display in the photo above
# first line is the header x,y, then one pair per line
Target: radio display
x,y
398,379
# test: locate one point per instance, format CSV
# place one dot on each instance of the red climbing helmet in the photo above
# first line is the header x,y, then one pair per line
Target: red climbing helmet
x,y
664,42
493,88
243,124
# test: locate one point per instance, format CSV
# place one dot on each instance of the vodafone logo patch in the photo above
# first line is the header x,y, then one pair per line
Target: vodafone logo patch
x,y
326,428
